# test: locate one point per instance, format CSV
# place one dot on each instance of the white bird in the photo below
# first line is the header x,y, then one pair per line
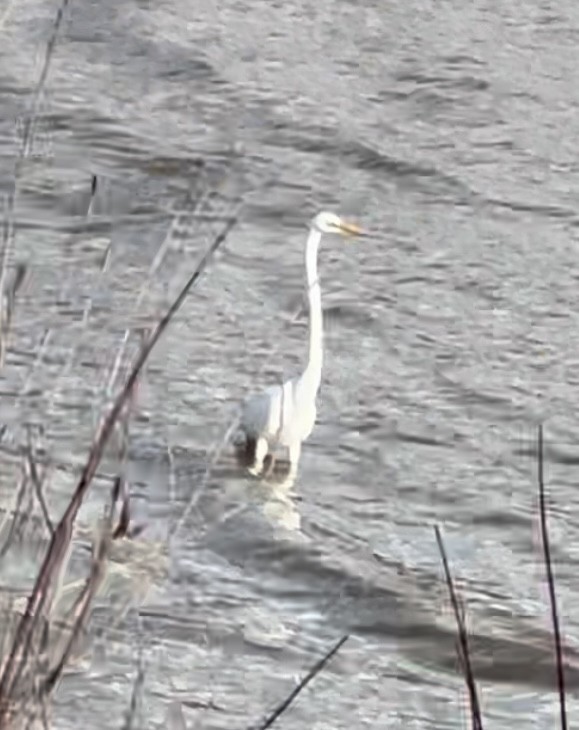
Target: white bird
x,y
284,415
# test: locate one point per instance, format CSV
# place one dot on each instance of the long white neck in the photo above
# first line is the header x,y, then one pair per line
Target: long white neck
x,y
312,375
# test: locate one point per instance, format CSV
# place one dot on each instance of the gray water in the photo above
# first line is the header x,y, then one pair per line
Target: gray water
x,y
449,130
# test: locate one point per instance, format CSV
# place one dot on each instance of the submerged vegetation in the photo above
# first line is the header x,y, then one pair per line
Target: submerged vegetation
x,y
40,638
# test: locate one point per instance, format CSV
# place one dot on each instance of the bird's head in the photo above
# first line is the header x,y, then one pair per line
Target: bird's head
x,y
326,222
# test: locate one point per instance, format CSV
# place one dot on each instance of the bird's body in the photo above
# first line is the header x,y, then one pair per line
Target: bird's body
x,y
285,415
279,414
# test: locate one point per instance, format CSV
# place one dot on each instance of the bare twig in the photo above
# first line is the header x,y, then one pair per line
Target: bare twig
x,y
44,340
218,450
37,482
93,189
16,514
551,580
12,285
198,202
8,291
81,609
137,694
84,601
62,536
464,654
314,671
27,137
88,303
28,134
122,528
122,492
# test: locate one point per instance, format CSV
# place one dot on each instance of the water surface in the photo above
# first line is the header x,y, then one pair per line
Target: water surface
x,y
450,130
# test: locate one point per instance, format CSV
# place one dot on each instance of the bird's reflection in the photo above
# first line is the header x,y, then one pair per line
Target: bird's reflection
x,y
273,488
278,504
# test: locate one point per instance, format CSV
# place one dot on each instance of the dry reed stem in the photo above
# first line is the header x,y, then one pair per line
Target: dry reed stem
x,y
15,512
8,291
313,672
8,237
463,648
135,706
202,195
551,580
37,480
84,601
55,556
88,304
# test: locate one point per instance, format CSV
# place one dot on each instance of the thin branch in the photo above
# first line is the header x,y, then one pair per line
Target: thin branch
x,y
135,707
166,244
123,525
135,699
62,537
84,600
44,340
8,236
80,610
93,190
87,305
16,514
314,671
37,483
123,425
464,654
551,580
8,229
219,448
8,291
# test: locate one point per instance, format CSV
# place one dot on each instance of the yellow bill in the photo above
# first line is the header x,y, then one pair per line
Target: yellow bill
x,y
351,229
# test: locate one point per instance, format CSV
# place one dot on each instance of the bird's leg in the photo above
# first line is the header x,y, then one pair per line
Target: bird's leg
x,y
295,451
268,465
261,449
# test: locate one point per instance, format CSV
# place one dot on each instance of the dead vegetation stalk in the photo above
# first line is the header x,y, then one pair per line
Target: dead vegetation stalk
x,y
8,289
550,579
463,647
38,603
302,684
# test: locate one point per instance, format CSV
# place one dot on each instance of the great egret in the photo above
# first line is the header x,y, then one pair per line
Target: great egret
x,y
284,415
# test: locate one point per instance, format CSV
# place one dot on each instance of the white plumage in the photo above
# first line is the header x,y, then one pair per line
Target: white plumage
x,y
285,415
